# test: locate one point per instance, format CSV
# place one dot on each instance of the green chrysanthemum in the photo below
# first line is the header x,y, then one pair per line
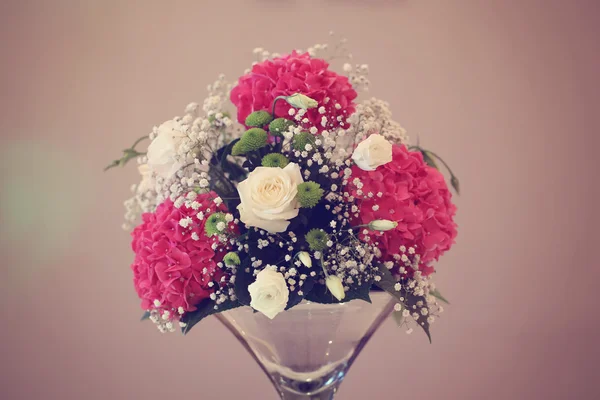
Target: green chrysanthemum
x,y
275,160
231,258
258,119
280,125
252,139
309,194
317,239
302,139
213,223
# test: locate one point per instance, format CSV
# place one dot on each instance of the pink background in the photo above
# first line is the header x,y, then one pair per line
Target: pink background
x,y
507,91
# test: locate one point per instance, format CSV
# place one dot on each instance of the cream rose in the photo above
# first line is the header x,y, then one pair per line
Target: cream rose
x,y
268,197
269,293
162,152
372,152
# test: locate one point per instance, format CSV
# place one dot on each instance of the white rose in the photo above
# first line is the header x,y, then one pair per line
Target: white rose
x,y
268,197
269,293
147,183
372,152
162,152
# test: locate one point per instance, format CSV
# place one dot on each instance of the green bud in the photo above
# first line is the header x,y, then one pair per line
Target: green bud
x,y
253,139
382,225
309,194
231,258
302,139
275,160
280,125
213,223
317,239
258,119
299,100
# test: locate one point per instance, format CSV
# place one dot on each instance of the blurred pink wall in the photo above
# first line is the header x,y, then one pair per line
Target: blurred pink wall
x,y
506,91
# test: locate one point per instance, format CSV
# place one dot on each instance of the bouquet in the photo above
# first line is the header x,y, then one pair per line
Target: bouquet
x,y
283,188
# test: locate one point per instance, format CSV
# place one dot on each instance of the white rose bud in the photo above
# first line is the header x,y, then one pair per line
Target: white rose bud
x,y
268,197
299,100
269,293
372,152
163,150
305,258
382,225
334,284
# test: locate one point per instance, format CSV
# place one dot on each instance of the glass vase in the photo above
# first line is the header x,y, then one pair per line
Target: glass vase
x,y
307,350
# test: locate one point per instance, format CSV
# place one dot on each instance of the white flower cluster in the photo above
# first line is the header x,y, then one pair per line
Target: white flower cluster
x,y
374,116
180,151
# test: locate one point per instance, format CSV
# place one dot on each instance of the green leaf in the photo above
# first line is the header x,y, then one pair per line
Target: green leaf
x,y
397,316
428,159
295,299
388,282
436,293
145,316
204,309
242,280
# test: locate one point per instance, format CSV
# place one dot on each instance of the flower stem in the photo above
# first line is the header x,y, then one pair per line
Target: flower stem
x,y
275,102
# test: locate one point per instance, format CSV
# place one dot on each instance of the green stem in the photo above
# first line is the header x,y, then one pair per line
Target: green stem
x,y
138,141
433,154
275,102
443,162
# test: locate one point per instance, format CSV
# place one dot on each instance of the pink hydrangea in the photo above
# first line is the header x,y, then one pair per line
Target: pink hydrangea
x,y
294,73
414,195
175,264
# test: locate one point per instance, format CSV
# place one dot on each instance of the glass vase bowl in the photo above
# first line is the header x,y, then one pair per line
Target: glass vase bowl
x,y
306,351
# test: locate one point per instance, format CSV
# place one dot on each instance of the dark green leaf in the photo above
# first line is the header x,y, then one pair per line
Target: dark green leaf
x,y
436,293
226,152
388,282
320,294
428,159
145,316
397,316
204,309
242,280
295,299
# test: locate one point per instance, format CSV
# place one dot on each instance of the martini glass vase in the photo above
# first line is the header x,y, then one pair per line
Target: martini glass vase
x,y
307,350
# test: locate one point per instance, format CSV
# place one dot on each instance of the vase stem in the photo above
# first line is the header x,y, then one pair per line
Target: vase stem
x,y
323,395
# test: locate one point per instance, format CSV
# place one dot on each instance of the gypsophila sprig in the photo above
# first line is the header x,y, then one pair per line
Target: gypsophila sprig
x,y
286,187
